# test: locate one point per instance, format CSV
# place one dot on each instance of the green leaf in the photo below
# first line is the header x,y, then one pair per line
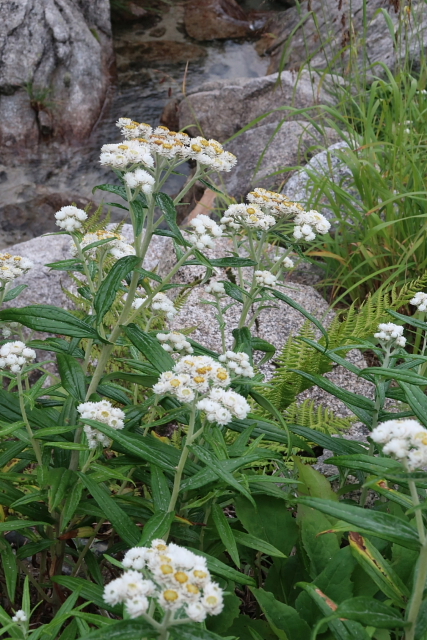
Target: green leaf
x,y
156,527
281,617
168,209
210,186
112,188
371,613
417,400
347,397
159,489
14,293
138,212
10,568
72,376
192,631
50,319
337,445
217,466
291,302
382,525
253,542
314,483
14,525
225,533
235,292
378,569
269,430
401,375
74,264
67,446
121,522
268,521
221,569
232,261
320,549
258,344
122,630
107,292
150,347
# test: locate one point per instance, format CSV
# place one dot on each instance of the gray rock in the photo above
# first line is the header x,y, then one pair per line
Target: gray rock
x,y
337,24
326,164
55,58
221,108
215,19
283,145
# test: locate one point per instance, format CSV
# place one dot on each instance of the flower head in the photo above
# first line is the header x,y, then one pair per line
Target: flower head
x,y
70,218
390,335
12,267
420,301
20,616
249,215
174,341
139,178
405,440
205,232
265,278
15,355
102,411
238,363
308,223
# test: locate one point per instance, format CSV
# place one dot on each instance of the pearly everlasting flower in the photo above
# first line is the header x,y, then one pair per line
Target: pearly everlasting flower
x,y
132,129
238,363
191,374
265,278
390,334
70,218
249,215
12,267
102,411
211,154
174,341
205,231
139,178
116,248
174,577
131,152
221,405
276,203
405,440
288,263
20,616
420,301
216,289
308,223
15,355
160,303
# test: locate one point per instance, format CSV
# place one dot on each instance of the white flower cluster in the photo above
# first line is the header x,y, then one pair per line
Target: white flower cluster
x,y
221,405
405,440
131,152
139,178
176,578
159,303
104,412
216,289
205,230
117,248
142,139
238,363
174,341
288,263
276,203
70,218
249,215
20,616
14,355
308,223
420,301
8,328
12,267
390,334
190,374
265,278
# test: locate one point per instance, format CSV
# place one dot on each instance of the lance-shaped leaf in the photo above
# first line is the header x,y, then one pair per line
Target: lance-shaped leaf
x,y
107,292
225,533
371,613
282,618
50,319
378,569
221,569
167,206
247,540
291,302
417,400
150,347
156,527
72,376
382,525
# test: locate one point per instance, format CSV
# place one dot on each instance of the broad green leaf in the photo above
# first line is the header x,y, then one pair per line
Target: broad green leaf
x,y
118,190
212,462
382,525
159,489
269,430
258,344
281,617
417,400
234,291
225,533
66,446
347,397
72,376
74,264
320,549
50,319
137,208
369,464
168,209
192,631
233,261
378,569
14,293
342,630
107,292
32,548
13,525
122,630
221,569
247,540
268,521
314,483
410,377
10,568
150,347
121,522
156,527
371,613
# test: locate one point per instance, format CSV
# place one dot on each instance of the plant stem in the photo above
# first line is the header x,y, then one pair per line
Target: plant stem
x,y
421,568
183,459
34,442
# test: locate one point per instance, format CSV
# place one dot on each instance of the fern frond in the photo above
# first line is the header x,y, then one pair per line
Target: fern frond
x,y
319,418
96,222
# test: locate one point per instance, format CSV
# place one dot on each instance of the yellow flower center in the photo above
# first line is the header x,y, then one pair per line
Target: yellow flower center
x,y
200,574
191,588
212,600
170,595
175,383
181,577
123,146
222,374
166,569
196,147
199,379
166,145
